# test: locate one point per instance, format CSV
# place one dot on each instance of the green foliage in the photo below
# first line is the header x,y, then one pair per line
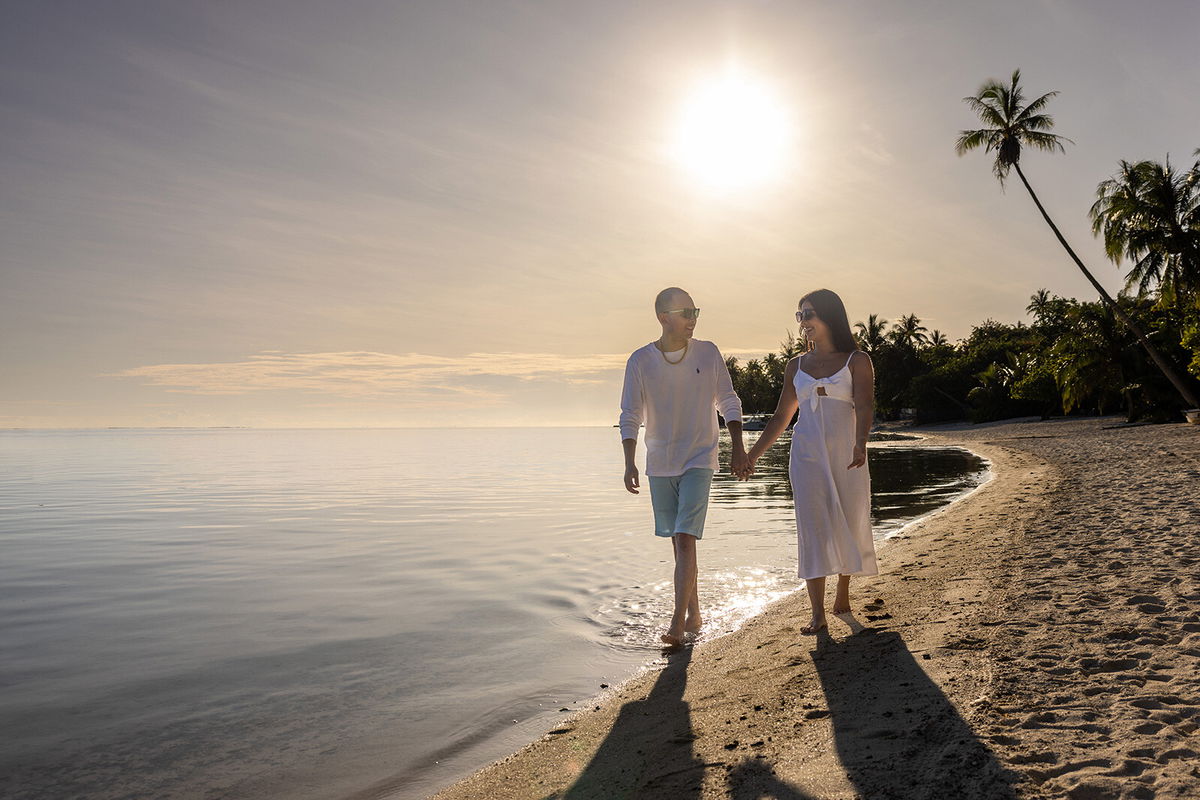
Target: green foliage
x,y
760,381
1150,213
1191,341
1090,355
1076,358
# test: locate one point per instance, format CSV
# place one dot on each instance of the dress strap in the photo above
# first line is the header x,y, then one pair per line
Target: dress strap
x,y
848,360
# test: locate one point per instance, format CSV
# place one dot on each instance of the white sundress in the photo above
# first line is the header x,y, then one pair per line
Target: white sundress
x,y
833,504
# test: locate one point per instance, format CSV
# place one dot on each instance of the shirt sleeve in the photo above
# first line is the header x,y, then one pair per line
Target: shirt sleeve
x,y
728,402
632,400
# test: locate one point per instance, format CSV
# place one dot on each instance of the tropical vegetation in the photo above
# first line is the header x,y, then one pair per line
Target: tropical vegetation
x,y
1069,357
1140,202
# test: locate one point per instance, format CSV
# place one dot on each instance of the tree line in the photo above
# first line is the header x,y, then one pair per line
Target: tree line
x,y
1072,357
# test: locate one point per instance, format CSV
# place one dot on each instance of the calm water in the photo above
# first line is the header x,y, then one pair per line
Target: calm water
x,y
311,614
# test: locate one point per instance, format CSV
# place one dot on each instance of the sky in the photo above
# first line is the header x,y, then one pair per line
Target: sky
x,y
359,214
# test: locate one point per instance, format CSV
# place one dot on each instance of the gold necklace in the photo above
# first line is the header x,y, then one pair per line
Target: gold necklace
x,y
663,353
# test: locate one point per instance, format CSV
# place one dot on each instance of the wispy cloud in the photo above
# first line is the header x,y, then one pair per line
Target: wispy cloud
x,y
413,376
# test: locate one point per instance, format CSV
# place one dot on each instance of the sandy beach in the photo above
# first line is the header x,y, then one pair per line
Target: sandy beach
x,y
1039,638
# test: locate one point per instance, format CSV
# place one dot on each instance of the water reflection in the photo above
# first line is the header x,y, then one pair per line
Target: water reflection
x,y
907,481
748,557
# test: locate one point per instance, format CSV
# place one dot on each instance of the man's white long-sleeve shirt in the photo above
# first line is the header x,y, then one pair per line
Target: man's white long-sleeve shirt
x,y
678,403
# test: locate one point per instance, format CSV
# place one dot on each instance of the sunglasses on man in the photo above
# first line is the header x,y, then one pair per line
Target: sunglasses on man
x,y
805,315
686,313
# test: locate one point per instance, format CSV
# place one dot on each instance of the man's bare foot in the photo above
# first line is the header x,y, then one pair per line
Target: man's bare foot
x,y
814,625
674,635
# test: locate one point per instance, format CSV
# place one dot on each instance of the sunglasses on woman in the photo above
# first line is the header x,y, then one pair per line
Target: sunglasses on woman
x,y
805,315
686,313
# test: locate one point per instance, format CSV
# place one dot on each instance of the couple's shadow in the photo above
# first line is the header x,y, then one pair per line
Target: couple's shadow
x,y
896,733
648,752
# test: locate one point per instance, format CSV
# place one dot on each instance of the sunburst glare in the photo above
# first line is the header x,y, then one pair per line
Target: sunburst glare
x,y
733,132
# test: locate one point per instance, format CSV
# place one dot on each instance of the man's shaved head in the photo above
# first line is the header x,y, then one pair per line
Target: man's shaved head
x,y
666,297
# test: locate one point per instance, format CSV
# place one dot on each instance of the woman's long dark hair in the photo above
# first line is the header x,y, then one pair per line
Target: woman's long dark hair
x,y
832,312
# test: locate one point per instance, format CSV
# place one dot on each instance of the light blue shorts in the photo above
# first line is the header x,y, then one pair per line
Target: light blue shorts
x,y
681,502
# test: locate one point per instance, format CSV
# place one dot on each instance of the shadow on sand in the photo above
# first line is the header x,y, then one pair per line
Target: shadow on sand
x,y
648,752
896,734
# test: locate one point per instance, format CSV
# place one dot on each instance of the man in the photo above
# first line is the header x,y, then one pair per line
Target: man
x,y
676,384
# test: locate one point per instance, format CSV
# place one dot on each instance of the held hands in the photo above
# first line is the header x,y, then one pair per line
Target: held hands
x,y
860,456
741,465
631,479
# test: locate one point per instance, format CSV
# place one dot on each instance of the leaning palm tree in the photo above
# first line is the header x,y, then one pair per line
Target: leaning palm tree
x,y
870,333
1151,214
1011,126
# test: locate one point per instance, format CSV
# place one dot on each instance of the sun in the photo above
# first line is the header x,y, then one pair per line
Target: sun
x,y
733,133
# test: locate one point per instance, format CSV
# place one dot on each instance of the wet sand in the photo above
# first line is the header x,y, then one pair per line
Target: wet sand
x,y
1038,638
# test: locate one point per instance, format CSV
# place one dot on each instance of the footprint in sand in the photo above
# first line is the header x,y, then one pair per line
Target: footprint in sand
x,y
1094,666
1075,766
1129,769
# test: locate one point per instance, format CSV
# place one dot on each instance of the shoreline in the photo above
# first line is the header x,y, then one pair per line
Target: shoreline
x,y
654,657
402,785
989,475
929,690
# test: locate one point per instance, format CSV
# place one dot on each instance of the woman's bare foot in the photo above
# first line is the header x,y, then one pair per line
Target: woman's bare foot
x,y
814,625
692,625
842,609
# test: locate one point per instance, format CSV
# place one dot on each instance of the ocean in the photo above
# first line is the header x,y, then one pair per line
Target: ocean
x,y
301,614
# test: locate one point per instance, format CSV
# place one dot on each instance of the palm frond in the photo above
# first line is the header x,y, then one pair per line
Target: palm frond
x,y
970,140
988,112
1045,141
1001,168
1035,107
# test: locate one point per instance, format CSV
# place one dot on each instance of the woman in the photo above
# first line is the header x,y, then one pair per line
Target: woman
x,y
833,387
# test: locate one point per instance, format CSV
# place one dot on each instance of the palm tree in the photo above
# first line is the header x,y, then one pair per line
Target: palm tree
x,y
1049,311
1039,304
909,332
870,333
1011,126
791,347
937,338
1151,214
774,367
